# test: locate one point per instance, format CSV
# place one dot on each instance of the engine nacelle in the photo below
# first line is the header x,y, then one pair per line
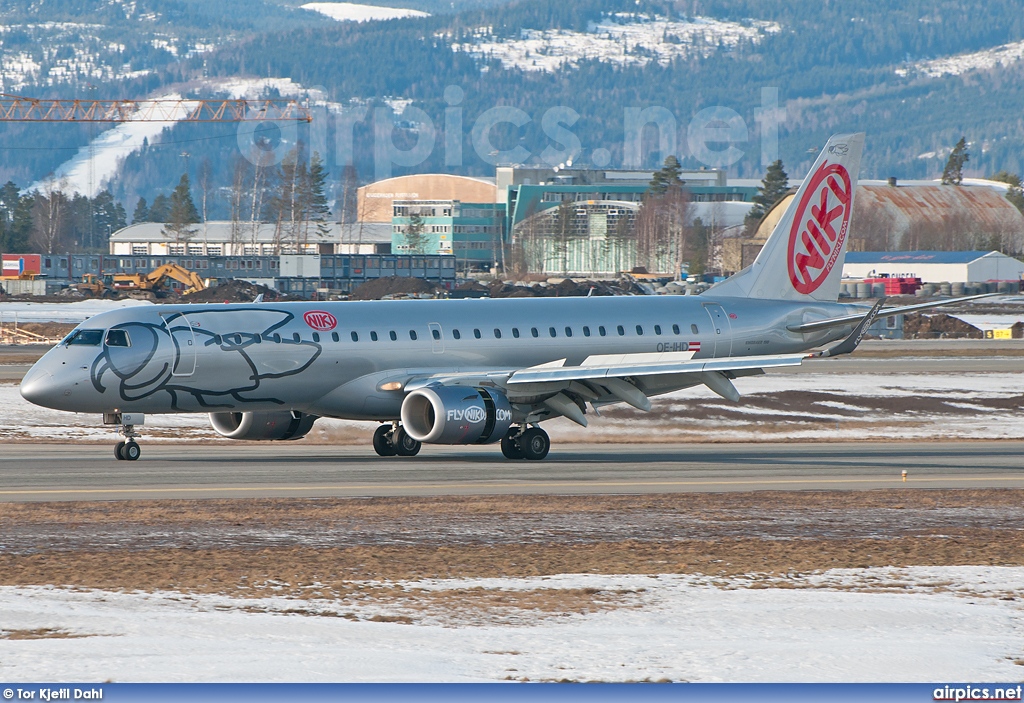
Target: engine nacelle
x,y
456,415
275,425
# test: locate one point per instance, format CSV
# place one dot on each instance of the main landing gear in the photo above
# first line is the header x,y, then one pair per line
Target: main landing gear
x,y
393,440
519,443
128,450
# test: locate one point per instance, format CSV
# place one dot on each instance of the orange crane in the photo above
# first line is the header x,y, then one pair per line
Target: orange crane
x,y
18,108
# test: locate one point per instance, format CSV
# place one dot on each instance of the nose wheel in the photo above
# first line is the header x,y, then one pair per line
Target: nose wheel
x,y
127,451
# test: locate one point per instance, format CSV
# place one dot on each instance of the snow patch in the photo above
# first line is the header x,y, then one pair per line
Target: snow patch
x,y
351,12
1001,56
886,624
625,39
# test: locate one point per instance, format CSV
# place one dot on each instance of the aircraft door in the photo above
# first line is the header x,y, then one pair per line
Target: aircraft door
x,y
436,337
184,339
722,329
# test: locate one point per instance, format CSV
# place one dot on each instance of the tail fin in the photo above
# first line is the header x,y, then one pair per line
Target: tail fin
x,y
803,257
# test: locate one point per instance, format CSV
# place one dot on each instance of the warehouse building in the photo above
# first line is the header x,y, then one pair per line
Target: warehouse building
x,y
934,266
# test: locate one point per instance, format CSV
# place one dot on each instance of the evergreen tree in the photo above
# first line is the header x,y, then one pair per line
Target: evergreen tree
x,y
667,177
14,225
415,237
181,213
319,211
141,213
773,188
160,210
1015,193
953,174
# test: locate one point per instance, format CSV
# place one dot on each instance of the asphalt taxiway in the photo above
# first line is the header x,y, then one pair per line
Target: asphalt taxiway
x,y
38,472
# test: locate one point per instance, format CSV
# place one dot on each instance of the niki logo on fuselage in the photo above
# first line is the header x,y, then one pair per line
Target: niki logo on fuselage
x,y
170,357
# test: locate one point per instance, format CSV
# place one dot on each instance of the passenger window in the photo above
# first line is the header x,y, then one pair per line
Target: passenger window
x,y
476,333
568,331
552,332
412,335
355,336
316,337
216,339
456,334
601,330
639,330
393,335
621,330
497,333
534,332
277,337
118,338
693,328
373,336
586,331
295,338
675,329
334,336
657,329
86,338
515,332
436,334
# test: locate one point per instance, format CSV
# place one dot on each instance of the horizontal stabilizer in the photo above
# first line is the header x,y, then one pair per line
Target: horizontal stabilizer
x,y
831,322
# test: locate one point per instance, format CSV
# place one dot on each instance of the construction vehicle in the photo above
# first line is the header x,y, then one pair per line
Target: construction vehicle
x,y
158,283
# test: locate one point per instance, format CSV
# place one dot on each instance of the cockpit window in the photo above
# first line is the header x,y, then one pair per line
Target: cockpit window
x,y
118,338
88,338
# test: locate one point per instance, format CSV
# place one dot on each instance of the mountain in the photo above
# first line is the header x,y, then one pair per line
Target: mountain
x,y
915,75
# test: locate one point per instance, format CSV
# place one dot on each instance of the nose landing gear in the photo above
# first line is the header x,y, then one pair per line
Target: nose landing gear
x,y
127,450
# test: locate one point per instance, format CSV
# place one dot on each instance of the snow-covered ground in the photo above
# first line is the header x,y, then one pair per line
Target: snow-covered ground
x,y
882,624
351,12
107,150
1004,55
626,39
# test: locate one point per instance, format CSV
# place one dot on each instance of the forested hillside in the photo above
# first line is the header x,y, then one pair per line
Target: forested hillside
x,y
837,66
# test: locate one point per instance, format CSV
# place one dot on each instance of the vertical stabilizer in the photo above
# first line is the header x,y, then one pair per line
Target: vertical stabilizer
x,y
803,257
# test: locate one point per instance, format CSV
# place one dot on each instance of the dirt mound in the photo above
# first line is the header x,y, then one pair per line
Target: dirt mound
x,y
394,286
234,291
941,326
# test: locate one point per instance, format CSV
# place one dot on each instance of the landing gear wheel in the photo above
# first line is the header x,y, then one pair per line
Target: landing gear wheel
x,y
118,449
535,444
404,444
511,448
131,451
382,442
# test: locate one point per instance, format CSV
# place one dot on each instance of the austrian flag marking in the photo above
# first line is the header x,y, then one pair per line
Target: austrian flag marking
x,y
320,320
820,227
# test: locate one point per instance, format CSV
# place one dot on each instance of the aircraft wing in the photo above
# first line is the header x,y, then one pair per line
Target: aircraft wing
x,y
827,323
624,365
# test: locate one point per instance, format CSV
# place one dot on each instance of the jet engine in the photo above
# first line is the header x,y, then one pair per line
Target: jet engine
x,y
456,415
263,425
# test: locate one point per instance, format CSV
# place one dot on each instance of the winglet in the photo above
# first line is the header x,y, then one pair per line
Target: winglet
x,y
850,343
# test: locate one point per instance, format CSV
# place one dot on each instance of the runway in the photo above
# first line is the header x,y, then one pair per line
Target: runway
x,y
50,472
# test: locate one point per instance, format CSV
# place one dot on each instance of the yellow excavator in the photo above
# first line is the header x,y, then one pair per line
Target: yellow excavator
x,y
142,286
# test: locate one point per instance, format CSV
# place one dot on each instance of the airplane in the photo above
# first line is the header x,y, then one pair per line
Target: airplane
x,y
470,371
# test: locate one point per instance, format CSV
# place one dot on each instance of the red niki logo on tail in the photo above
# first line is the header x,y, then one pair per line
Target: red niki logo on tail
x,y
819,230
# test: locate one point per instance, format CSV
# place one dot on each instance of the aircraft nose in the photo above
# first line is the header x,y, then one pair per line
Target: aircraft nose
x,y
40,388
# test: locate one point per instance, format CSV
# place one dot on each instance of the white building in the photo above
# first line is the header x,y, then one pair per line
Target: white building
x,y
935,266
246,239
